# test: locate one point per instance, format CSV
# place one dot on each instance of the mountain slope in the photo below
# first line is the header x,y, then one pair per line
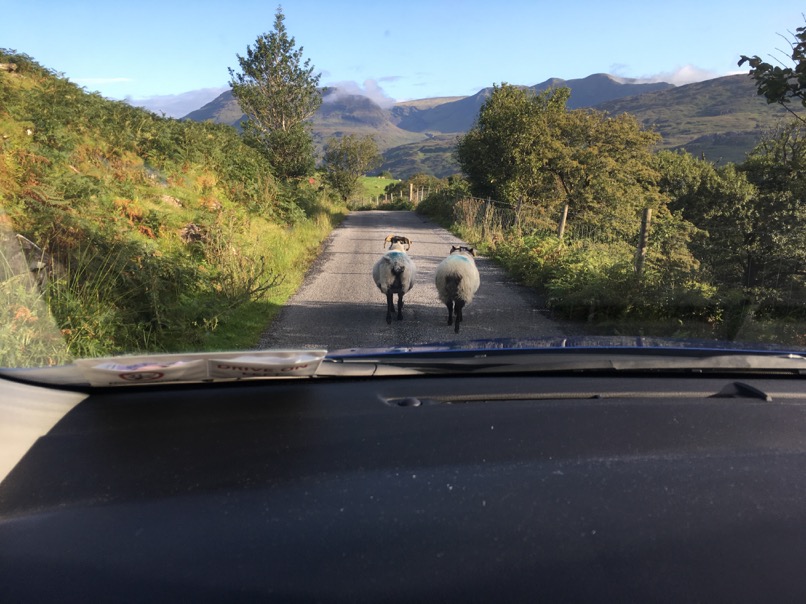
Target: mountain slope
x,y
339,114
354,114
600,88
454,116
223,109
723,118
459,115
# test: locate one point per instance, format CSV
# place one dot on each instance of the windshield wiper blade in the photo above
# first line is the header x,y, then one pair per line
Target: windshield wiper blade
x,y
543,361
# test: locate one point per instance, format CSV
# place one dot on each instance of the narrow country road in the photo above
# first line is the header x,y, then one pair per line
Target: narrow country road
x,y
339,306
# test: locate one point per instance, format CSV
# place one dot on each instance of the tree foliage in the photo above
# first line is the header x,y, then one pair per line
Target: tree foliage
x,y
527,148
776,244
777,168
751,218
726,244
781,83
278,92
502,154
346,159
719,201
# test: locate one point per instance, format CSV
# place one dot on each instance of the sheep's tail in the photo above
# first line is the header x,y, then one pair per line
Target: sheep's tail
x,y
453,283
397,271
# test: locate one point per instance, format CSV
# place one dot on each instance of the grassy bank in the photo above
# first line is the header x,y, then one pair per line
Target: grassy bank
x,y
146,233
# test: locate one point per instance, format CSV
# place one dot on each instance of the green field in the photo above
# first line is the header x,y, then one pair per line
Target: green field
x,y
375,185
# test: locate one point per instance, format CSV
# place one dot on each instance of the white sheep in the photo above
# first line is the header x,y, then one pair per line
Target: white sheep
x,y
457,280
394,273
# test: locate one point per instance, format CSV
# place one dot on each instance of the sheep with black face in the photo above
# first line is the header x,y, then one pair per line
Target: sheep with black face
x,y
457,280
394,273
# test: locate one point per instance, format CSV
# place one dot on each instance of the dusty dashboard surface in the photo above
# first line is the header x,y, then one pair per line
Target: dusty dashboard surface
x,y
427,488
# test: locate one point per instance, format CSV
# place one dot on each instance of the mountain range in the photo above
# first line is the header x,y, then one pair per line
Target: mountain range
x,y
721,119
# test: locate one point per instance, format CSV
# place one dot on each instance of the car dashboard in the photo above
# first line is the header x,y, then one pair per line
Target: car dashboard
x,y
572,487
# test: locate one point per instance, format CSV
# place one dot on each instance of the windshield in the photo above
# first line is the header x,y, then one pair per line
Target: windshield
x,y
261,186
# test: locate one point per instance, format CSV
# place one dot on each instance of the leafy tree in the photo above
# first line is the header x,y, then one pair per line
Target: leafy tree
x,y
527,148
278,92
780,83
720,202
602,166
776,246
502,154
346,159
752,217
777,168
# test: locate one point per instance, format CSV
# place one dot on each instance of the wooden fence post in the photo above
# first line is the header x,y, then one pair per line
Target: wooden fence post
x,y
640,254
563,219
484,222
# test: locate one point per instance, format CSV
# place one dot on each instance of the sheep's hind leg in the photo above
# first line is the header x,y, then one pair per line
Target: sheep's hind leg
x,y
400,307
450,312
390,307
459,306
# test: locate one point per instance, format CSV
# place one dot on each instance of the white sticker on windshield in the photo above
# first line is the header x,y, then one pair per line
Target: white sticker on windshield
x,y
267,365
122,371
144,371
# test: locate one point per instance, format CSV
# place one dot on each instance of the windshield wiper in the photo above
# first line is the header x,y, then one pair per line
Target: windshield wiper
x,y
566,361
306,364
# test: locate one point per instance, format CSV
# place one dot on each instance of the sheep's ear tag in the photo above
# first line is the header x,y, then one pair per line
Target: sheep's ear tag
x,y
387,240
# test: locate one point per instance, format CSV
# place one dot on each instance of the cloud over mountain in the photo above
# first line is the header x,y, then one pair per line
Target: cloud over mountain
x,y
371,89
178,105
687,74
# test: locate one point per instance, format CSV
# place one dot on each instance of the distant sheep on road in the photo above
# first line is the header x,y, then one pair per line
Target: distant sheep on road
x,y
394,273
457,280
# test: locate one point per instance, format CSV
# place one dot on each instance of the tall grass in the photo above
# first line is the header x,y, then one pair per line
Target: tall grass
x,y
157,234
591,281
28,334
289,252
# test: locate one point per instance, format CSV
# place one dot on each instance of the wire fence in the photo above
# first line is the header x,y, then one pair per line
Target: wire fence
x,y
494,218
490,220
641,235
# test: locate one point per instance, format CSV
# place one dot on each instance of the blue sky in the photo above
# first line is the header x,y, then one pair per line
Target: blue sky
x,y
173,56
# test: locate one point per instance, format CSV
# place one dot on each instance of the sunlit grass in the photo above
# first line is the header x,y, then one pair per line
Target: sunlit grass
x,y
161,235
29,336
374,186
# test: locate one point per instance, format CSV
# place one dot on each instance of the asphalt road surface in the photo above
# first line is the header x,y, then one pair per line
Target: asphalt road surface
x,y
339,306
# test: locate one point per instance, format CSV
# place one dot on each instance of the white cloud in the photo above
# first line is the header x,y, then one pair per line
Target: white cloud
x,y
687,74
371,89
178,105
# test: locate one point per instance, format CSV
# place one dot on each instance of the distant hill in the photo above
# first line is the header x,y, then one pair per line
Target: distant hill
x,y
722,118
223,109
355,114
600,88
400,124
459,115
339,114
432,156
